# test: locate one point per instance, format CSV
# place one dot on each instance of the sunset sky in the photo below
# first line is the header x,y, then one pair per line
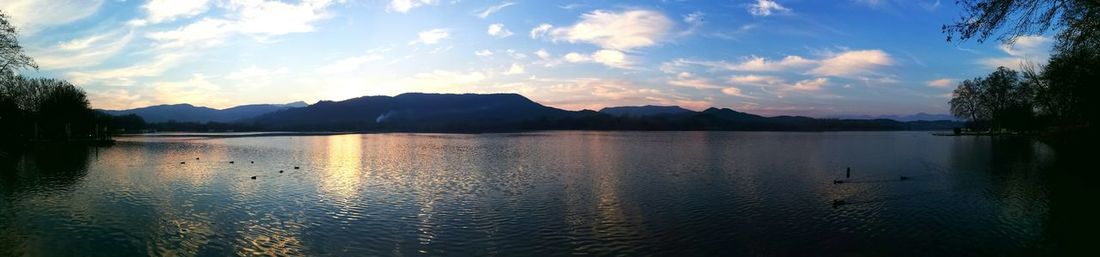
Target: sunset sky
x,y
795,57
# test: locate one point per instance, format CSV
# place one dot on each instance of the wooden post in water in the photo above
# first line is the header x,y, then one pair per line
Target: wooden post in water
x,y
849,174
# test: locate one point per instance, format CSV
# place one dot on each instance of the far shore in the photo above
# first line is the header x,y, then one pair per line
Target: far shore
x,y
233,134
181,134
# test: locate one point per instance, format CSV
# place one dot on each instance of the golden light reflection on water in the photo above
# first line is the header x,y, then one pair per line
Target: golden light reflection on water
x,y
343,166
579,192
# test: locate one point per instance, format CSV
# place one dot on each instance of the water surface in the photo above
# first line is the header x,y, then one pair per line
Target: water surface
x,y
542,194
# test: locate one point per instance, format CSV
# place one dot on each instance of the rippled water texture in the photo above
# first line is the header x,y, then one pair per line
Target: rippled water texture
x,y
542,194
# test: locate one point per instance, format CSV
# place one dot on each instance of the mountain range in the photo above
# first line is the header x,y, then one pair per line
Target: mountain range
x,y
191,113
642,111
912,117
423,112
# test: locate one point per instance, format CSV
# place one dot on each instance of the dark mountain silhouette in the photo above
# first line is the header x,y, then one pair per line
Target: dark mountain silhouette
x,y
513,112
416,112
643,111
191,113
422,112
912,117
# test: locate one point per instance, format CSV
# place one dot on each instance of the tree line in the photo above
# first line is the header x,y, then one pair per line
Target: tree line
x,y
44,109
1060,95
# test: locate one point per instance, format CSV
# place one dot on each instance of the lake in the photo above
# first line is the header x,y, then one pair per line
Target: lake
x,y
546,194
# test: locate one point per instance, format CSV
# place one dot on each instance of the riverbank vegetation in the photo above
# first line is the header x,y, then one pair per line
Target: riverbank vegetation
x,y
1057,97
41,109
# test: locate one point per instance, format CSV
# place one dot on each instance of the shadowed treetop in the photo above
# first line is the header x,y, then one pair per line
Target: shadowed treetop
x,y
11,54
1078,21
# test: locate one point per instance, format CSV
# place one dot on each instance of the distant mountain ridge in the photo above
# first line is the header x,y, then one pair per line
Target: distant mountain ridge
x,y
191,113
423,112
414,111
474,113
911,117
643,111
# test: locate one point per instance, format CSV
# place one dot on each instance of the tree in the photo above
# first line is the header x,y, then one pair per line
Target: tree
x,y
1069,91
1001,98
12,57
1077,21
39,107
128,123
966,101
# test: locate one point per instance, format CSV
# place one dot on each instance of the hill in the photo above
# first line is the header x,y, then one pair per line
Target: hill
x,y
191,113
473,113
644,111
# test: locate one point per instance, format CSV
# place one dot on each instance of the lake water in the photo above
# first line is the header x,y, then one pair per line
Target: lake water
x,y
546,194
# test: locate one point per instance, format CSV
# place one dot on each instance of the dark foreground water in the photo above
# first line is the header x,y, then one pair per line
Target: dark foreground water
x,y
547,194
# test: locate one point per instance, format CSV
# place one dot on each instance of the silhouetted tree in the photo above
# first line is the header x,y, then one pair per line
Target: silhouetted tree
x,y
11,54
1077,21
1069,92
45,107
1002,98
1065,90
129,122
966,101
38,107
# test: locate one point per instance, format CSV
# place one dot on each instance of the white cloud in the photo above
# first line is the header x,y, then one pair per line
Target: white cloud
x,y
125,76
611,58
542,54
945,82
168,10
540,30
404,6
852,63
515,69
498,30
752,63
349,64
81,52
1026,46
274,18
258,18
204,33
431,37
485,52
760,64
848,64
617,30
767,8
733,91
576,57
810,84
756,80
492,9
686,79
778,83
31,16
1023,50
694,20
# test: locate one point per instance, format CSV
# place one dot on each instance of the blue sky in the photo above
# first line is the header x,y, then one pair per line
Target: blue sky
x,y
781,57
